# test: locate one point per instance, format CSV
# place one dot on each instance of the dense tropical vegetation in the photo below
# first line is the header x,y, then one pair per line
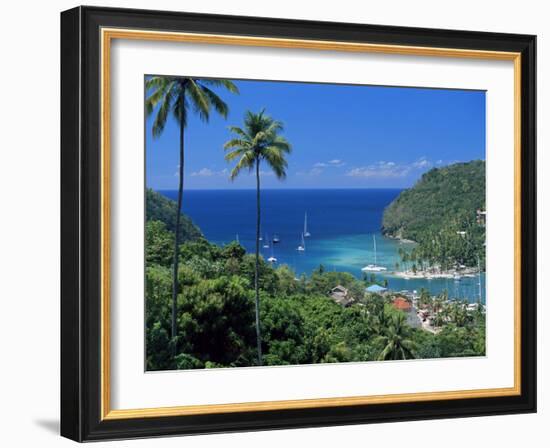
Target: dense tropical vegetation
x,y
300,323
440,214
160,208
176,96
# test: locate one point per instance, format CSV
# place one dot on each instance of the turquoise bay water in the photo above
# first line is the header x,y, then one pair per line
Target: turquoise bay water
x,y
341,222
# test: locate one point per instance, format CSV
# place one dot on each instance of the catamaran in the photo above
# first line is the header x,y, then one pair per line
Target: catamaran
x,y
306,233
374,267
302,247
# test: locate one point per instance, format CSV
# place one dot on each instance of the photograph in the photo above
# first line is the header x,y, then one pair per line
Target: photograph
x,y
296,223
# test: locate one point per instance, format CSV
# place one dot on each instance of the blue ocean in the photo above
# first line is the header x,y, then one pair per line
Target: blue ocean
x,y
341,223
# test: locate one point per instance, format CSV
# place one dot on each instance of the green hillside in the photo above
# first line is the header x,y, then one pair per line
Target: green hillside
x,y
441,204
160,208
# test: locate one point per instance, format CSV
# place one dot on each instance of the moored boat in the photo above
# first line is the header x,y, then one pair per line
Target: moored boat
x,y
374,267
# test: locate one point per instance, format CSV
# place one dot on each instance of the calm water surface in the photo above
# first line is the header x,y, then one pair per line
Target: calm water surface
x,y
341,223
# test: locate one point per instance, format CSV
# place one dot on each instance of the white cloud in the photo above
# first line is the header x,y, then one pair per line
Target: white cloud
x,y
383,169
315,171
422,163
207,172
267,173
203,172
335,163
380,170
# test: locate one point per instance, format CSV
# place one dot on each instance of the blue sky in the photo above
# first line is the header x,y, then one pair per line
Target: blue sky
x,y
342,136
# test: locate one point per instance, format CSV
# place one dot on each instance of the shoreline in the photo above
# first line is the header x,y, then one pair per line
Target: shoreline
x,y
428,275
397,238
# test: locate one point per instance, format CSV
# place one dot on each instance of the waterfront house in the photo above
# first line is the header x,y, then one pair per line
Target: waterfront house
x,y
341,296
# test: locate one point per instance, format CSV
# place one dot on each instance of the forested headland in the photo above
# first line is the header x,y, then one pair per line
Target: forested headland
x,y
444,212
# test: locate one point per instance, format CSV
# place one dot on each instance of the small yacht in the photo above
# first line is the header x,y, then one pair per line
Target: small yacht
x,y
272,259
374,267
302,247
306,233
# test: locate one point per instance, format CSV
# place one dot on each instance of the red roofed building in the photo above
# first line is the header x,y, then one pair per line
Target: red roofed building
x,y
400,303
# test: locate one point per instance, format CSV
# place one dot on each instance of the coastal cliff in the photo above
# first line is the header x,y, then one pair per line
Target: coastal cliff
x,y
160,208
440,196
444,212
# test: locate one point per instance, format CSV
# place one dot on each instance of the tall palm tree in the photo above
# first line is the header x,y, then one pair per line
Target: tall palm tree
x,y
258,141
172,95
396,342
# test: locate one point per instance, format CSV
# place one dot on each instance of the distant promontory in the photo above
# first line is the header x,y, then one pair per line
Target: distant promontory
x,y
444,212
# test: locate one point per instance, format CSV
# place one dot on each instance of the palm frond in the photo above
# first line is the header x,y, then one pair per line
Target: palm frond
x,y
235,153
162,114
156,82
282,144
237,130
236,143
229,85
199,100
276,161
247,161
219,105
275,127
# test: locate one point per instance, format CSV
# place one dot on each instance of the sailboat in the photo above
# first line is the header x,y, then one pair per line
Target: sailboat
x,y
306,233
302,247
266,243
374,267
275,239
272,259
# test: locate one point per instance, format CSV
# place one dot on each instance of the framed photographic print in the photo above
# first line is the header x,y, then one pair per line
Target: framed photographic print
x,y
275,224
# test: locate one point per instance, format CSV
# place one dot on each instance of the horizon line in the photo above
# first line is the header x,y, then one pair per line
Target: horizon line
x,y
278,189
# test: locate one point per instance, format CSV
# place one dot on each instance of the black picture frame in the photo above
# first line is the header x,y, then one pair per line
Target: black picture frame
x,y
81,224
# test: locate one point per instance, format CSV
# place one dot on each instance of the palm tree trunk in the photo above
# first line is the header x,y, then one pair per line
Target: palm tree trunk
x,y
256,271
177,238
